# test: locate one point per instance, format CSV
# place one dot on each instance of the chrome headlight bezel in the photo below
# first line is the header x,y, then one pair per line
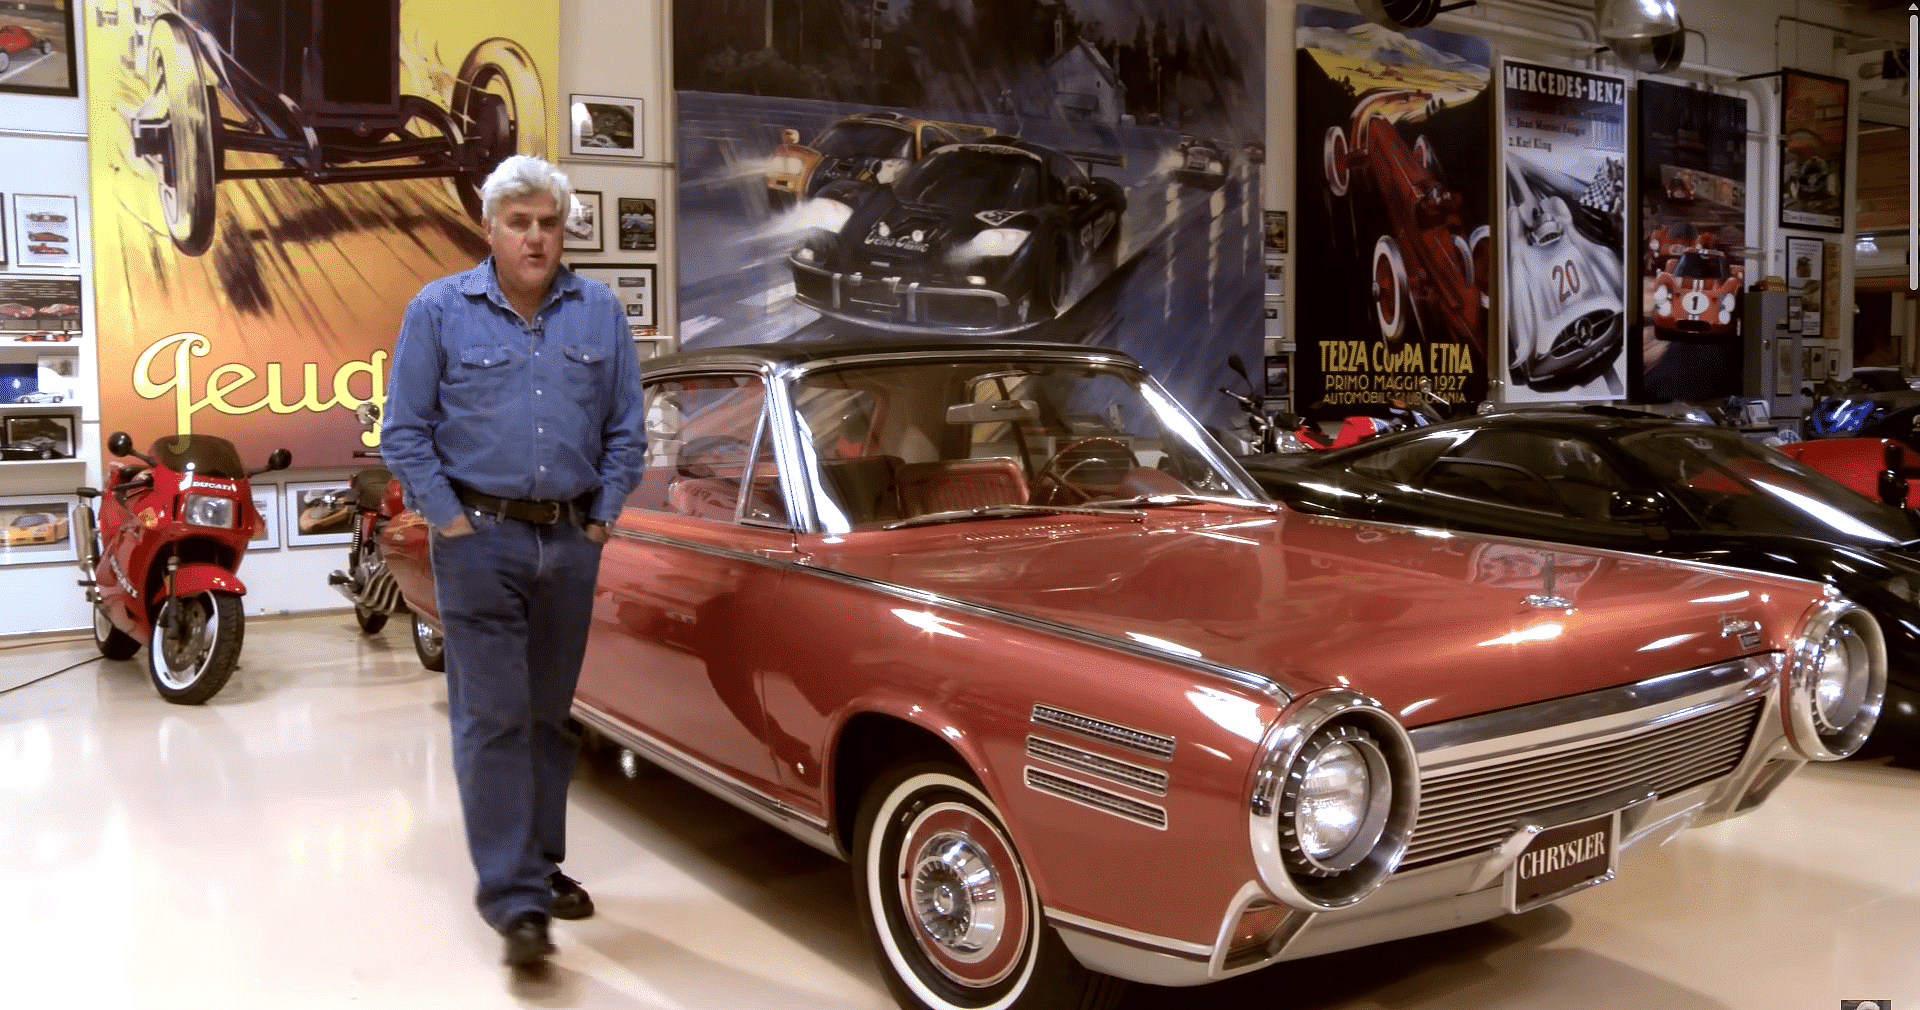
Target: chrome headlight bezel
x,y
1835,631
210,510
1314,727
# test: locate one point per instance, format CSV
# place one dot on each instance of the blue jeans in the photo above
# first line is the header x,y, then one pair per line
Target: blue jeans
x,y
515,603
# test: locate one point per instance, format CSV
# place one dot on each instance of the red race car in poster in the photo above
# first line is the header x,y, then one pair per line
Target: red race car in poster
x,y
1430,272
1695,293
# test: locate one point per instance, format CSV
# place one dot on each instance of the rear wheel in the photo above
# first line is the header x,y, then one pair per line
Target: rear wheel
x,y
1333,160
500,109
364,567
429,645
1390,301
111,641
949,905
195,646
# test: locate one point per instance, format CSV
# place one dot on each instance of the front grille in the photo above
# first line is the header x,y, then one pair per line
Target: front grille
x,y
1476,809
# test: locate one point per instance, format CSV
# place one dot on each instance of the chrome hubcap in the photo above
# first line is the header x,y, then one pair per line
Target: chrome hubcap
x,y
184,636
956,896
429,638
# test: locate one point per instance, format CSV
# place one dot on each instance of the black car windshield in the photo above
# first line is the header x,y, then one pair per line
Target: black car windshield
x,y
969,180
864,140
893,442
206,455
1730,482
1693,264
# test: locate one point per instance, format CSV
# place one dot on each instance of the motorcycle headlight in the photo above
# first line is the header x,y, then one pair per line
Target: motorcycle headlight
x,y
209,510
1334,801
1835,682
994,243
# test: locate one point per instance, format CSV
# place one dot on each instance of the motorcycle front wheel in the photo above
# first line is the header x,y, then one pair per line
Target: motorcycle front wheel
x,y
195,646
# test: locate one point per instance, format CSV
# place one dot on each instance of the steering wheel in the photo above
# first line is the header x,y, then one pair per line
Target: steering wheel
x,y
1059,478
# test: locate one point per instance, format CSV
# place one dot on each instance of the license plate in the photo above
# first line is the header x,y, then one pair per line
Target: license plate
x,y
1563,859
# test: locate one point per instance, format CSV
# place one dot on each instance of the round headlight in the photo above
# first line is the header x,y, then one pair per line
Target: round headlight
x,y
1836,681
1337,815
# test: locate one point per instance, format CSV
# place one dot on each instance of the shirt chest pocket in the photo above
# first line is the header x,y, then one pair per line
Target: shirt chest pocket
x,y
585,363
484,369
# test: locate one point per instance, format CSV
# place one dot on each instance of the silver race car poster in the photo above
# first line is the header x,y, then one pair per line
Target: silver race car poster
x,y
1564,159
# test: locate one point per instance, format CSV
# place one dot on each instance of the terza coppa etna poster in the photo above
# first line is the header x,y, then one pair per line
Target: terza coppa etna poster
x,y
1074,170
1692,262
1564,152
1393,213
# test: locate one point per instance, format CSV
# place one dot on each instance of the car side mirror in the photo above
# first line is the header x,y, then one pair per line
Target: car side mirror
x,y
120,444
1646,507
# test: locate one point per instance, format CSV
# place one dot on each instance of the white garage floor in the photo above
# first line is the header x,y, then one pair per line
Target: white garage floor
x,y
297,843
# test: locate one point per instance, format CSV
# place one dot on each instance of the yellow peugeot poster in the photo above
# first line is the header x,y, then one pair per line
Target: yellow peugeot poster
x,y
274,180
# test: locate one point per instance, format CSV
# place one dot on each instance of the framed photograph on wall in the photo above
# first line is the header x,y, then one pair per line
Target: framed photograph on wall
x,y
46,231
637,220
37,39
266,501
1813,155
601,125
583,223
37,528
632,283
39,436
3,230
319,512
1806,266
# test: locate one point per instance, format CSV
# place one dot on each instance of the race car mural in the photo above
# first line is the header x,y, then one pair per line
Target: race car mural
x,y
1430,268
1566,296
1695,296
980,238
863,147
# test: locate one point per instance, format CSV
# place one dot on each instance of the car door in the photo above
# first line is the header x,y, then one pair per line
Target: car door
x,y
688,582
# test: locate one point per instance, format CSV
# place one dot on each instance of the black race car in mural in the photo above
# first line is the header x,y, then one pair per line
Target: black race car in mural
x,y
1617,478
1203,162
976,238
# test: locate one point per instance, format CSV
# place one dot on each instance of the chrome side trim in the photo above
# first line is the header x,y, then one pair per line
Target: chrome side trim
x,y
1627,705
1147,780
1184,949
807,827
1094,797
1242,678
1152,744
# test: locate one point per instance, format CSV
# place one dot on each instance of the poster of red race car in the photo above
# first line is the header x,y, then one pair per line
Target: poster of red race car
x,y
1393,138
1692,261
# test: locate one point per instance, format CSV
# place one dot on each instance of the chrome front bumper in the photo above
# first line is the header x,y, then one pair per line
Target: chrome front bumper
x,y
1468,888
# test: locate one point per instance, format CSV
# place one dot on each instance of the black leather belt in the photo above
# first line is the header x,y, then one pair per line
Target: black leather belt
x,y
536,511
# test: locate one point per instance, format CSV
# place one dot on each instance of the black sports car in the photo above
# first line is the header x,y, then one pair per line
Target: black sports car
x,y
1615,478
983,238
1203,162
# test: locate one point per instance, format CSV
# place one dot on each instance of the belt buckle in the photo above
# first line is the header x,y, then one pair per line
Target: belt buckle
x,y
559,510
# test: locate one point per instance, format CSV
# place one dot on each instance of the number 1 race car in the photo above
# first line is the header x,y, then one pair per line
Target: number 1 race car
x,y
1695,295
979,238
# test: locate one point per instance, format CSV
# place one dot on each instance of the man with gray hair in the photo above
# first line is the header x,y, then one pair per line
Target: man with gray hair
x,y
514,422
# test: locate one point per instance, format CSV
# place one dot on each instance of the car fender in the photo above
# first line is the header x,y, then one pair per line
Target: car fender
x,y
203,576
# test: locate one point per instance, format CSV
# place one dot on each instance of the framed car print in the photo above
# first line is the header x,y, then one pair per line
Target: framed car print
x,y
631,283
601,125
36,49
46,231
266,501
39,436
36,529
319,512
583,223
1813,155
637,219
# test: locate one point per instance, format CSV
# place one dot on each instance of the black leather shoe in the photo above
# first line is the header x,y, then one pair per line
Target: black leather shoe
x,y
526,940
570,900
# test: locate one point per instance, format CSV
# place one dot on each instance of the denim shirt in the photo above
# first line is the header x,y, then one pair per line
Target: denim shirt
x,y
544,410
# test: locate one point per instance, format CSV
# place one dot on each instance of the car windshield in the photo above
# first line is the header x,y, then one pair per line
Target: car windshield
x,y
971,179
1730,482
890,443
864,140
1693,264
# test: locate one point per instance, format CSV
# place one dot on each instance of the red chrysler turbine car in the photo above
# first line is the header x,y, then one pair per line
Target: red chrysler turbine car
x,y
1000,625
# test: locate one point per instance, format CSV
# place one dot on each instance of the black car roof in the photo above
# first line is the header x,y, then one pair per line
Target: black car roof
x,y
794,352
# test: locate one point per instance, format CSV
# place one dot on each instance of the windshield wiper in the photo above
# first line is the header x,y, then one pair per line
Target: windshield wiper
x,y
1009,511
1155,500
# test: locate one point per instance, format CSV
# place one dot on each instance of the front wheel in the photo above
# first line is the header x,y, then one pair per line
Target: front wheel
x,y
195,646
949,905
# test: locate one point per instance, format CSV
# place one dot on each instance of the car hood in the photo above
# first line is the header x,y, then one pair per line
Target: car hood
x,y
1434,626
889,228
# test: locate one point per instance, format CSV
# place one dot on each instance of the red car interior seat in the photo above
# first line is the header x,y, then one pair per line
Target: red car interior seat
x,y
951,485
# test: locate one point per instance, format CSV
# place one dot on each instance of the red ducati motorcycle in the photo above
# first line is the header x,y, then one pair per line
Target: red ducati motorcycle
x,y
159,567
